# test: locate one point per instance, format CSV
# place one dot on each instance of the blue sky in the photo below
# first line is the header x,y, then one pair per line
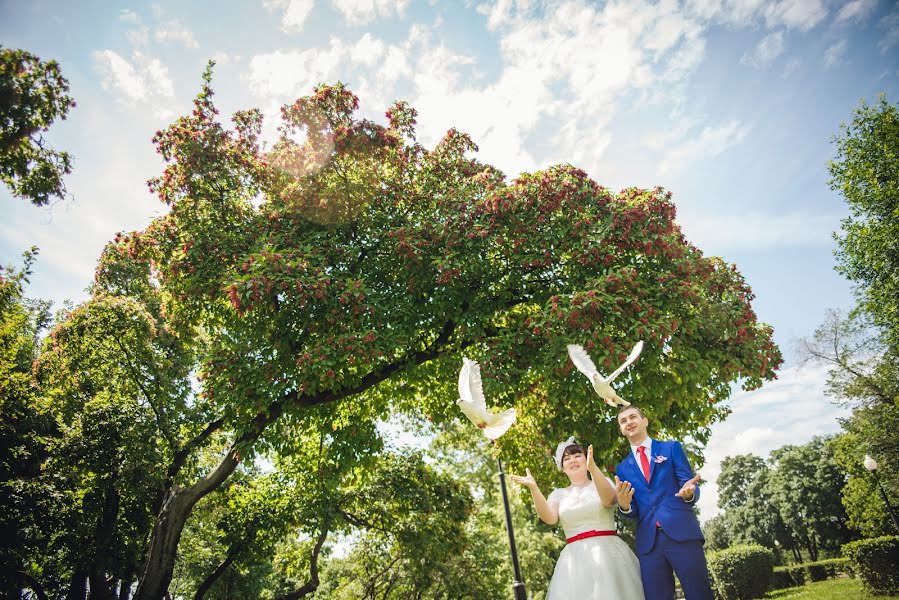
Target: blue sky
x,y
730,104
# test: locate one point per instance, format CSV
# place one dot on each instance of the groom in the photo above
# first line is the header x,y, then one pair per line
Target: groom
x,y
655,485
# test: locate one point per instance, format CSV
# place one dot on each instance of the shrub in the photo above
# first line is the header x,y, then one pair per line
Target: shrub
x,y
795,575
876,562
825,569
741,572
790,576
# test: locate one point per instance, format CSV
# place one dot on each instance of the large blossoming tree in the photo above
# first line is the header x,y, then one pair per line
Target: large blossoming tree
x,y
345,272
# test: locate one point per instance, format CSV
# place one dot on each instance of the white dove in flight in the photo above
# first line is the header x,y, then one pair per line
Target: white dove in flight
x,y
602,385
474,406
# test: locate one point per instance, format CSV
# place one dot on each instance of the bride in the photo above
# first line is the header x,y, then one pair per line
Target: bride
x,y
595,564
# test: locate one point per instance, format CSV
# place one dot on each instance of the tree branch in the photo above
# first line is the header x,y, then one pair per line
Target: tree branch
x,y
311,585
233,552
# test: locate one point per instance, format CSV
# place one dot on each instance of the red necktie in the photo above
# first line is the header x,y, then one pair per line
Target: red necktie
x,y
644,462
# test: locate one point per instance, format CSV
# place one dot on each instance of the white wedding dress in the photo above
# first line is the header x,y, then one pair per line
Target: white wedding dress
x,y
593,568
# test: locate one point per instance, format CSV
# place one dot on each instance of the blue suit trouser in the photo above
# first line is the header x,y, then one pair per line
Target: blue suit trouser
x,y
667,557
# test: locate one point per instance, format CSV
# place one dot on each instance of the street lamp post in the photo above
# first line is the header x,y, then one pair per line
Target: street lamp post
x,y
518,586
871,465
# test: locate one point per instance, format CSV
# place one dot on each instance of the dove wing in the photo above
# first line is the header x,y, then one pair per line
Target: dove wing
x,y
470,388
471,412
499,423
582,361
635,352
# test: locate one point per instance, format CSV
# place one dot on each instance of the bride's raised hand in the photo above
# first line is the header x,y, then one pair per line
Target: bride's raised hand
x,y
591,464
528,481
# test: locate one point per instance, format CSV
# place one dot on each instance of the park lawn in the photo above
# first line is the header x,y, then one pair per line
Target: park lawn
x,y
834,589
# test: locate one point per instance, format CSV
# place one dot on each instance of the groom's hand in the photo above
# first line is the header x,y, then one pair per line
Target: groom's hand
x,y
686,492
625,493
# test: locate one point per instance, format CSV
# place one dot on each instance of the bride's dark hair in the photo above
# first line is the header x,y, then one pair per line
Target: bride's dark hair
x,y
572,449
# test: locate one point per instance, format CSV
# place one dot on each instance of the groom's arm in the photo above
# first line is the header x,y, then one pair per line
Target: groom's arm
x,y
682,470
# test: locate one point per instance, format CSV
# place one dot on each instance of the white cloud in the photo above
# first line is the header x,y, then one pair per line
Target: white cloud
x,y
789,410
174,30
710,142
792,14
287,74
856,10
758,231
795,14
564,73
834,53
368,50
360,12
118,74
769,47
143,81
294,15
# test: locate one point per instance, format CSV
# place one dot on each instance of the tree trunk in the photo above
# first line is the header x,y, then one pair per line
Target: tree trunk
x,y
77,586
169,525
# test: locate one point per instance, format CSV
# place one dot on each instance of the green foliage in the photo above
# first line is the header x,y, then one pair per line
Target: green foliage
x,y
876,562
788,576
33,94
717,532
25,425
806,491
741,572
866,173
795,575
870,430
791,503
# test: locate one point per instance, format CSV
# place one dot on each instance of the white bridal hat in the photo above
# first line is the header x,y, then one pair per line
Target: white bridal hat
x,y
560,449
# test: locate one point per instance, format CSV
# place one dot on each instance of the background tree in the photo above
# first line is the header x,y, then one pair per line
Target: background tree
x,y
866,173
806,486
862,349
790,503
863,373
114,384
33,94
25,499
350,265
737,475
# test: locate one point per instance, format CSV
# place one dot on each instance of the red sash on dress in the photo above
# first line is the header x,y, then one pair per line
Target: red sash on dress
x,y
590,534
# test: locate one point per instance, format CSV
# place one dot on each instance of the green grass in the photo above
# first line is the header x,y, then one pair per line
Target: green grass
x,y
834,589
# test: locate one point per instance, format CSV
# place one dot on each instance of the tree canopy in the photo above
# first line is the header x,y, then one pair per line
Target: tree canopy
x,y
866,173
33,94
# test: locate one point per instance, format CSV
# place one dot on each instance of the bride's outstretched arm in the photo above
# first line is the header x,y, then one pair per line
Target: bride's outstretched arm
x,y
605,490
547,512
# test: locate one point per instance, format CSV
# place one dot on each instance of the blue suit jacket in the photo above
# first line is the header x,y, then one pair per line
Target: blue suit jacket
x,y
656,501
